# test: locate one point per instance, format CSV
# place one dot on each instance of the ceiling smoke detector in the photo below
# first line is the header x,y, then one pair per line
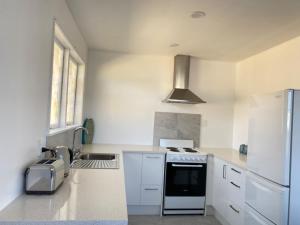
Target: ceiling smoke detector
x,y
198,14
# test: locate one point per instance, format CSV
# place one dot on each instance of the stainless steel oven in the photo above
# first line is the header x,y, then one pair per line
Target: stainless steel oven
x,y
185,184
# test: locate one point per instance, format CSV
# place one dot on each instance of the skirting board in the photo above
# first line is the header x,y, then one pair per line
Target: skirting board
x,y
209,210
156,210
144,209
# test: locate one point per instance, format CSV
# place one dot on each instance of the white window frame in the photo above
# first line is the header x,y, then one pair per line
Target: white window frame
x,y
69,54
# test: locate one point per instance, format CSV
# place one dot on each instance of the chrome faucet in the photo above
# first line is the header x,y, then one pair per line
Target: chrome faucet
x,y
76,151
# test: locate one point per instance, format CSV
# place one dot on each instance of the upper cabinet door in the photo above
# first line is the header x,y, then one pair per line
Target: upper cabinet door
x,y
270,136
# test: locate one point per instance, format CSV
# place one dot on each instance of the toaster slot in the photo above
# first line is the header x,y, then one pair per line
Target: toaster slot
x,y
42,161
49,162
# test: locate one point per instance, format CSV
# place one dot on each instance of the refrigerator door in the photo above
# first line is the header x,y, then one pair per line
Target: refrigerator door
x,y
269,199
294,217
270,136
254,218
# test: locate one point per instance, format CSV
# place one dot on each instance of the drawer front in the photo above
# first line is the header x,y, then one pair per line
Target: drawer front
x,y
153,169
236,175
235,214
268,198
236,193
254,218
236,185
151,195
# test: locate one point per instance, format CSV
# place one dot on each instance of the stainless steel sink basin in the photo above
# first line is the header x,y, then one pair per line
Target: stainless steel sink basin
x,y
96,161
97,156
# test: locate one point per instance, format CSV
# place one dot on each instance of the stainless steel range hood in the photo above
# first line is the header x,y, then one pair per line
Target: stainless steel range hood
x,y
181,92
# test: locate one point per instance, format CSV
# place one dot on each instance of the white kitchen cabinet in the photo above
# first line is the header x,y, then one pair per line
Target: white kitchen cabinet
x,y
220,189
133,177
151,194
209,183
228,192
153,167
144,173
236,195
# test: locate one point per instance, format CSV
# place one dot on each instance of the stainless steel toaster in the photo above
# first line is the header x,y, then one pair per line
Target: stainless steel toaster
x,y
44,177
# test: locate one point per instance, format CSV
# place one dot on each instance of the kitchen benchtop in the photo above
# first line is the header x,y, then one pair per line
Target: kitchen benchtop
x,y
89,196
230,155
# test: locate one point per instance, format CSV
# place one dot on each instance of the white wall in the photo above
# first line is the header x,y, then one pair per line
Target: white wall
x,y
275,69
123,91
26,48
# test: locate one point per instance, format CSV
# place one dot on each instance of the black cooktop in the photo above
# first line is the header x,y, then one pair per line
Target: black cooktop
x,y
189,150
173,149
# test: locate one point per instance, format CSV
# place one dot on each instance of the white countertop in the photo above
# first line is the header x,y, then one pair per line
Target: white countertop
x,y
230,155
90,196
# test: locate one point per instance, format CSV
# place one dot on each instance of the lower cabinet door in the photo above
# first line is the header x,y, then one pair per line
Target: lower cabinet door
x,y
254,218
133,174
153,169
220,187
151,195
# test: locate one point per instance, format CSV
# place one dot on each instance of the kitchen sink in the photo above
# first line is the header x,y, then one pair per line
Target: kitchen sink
x,y
96,161
97,156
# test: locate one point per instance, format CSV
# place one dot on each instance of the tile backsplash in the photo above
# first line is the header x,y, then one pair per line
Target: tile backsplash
x,y
176,126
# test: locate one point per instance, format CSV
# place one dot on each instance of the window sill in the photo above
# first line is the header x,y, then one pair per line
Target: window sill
x,y
61,130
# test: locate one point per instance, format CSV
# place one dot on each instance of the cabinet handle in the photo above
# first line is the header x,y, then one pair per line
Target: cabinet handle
x,y
151,189
153,157
239,172
235,185
237,211
186,165
224,171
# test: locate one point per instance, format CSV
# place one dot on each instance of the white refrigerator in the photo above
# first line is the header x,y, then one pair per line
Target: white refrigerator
x,y
273,162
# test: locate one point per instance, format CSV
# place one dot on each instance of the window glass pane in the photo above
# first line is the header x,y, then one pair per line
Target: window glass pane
x,y
71,94
58,55
79,94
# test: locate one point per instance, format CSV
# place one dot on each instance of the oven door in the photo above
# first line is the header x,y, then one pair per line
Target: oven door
x,y
185,179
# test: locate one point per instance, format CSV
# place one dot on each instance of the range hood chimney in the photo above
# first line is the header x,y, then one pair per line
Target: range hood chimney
x,y
181,92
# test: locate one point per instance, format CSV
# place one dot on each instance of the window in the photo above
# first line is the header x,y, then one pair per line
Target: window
x,y
72,80
67,84
57,77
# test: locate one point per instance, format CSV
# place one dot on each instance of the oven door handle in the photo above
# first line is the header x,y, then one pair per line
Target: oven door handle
x,y
186,165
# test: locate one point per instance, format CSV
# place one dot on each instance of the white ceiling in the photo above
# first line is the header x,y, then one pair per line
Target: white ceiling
x,y
231,31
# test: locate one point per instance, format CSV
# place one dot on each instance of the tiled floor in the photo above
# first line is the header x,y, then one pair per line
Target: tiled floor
x,y
173,220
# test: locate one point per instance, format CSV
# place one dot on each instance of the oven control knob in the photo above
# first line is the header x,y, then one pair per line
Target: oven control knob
x,y
193,158
183,158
